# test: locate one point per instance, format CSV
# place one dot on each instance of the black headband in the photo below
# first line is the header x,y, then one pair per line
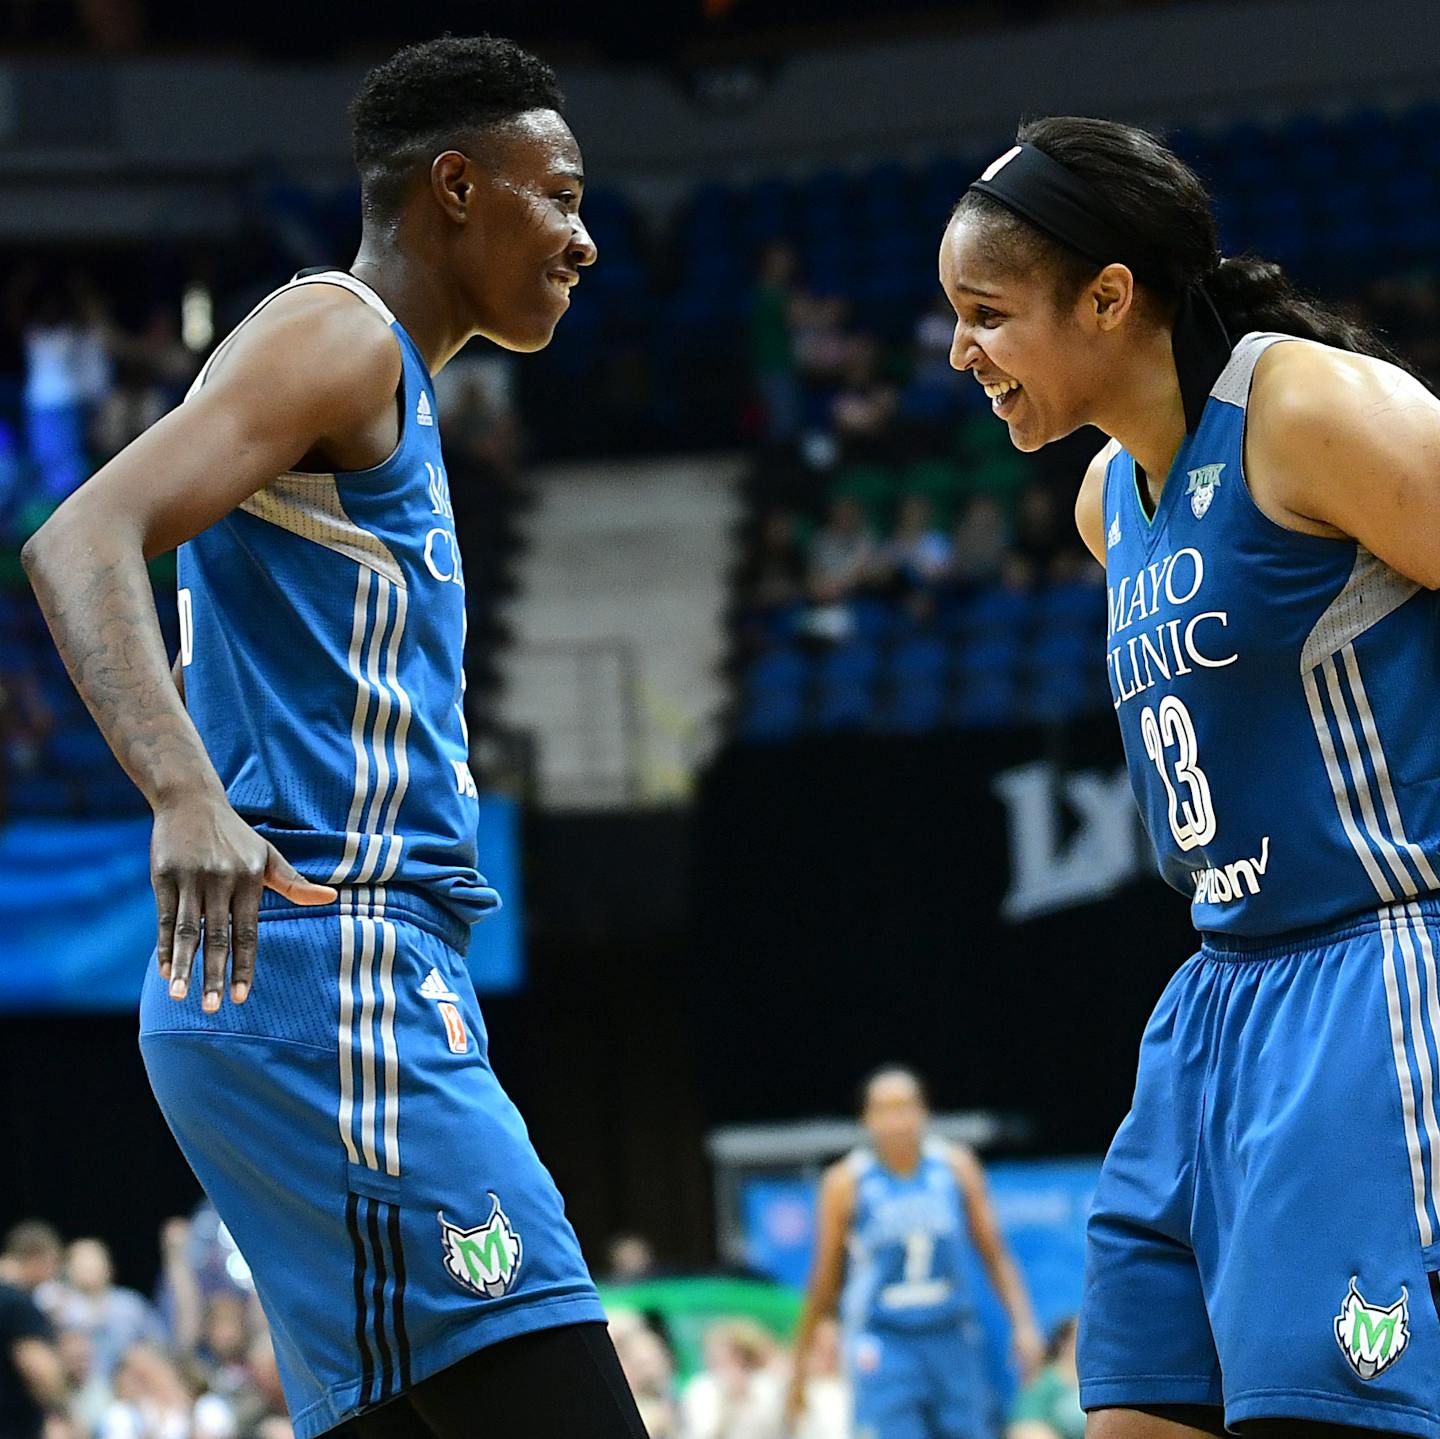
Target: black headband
x,y
1053,198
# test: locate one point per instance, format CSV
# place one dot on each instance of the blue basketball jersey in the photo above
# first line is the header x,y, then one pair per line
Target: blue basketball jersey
x,y
906,1266
1276,692
322,634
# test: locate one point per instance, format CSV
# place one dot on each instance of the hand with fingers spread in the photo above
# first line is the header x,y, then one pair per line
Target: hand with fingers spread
x,y
209,869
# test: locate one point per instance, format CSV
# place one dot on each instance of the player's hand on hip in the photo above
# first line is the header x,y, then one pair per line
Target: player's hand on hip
x,y
209,869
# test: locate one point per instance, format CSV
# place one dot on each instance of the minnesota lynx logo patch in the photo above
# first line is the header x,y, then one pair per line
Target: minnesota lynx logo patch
x,y
1372,1339
1201,489
485,1260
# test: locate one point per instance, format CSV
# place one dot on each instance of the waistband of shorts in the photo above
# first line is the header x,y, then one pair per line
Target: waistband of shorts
x,y
377,901
1215,945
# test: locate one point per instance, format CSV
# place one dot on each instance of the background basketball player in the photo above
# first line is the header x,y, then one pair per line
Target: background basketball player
x,y
897,1219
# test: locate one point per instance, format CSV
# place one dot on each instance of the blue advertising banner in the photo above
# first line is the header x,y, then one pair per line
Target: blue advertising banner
x,y
77,917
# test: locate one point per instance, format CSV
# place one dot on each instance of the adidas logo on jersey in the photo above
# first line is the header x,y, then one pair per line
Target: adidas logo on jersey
x,y
433,987
1113,538
422,411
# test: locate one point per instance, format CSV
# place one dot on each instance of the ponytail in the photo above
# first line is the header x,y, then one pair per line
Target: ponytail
x,y
1255,294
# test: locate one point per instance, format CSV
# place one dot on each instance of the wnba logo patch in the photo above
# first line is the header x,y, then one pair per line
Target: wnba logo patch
x,y
1372,1339
454,1029
485,1260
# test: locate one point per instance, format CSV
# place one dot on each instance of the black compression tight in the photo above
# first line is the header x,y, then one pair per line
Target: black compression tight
x,y
560,1383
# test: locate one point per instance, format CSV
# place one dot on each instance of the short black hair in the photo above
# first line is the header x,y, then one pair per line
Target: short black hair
x,y
432,93
884,1071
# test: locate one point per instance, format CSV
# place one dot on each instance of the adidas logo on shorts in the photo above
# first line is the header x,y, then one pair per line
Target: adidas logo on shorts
x,y
433,987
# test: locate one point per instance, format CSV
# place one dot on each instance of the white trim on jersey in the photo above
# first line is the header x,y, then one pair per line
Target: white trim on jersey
x,y
362,916
375,667
310,506
1373,591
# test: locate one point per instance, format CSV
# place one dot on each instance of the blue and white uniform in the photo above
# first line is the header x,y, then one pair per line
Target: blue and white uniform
x,y
1266,1234
911,1339
345,1120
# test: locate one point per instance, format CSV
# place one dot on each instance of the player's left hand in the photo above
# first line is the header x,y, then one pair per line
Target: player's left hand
x,y
1028,1346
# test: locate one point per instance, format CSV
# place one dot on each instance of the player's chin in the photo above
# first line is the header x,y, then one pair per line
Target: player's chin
x,y
531,334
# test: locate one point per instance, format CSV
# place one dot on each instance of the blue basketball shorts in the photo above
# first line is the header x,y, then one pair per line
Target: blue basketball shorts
x,y
1266,1231
347,1126
929,1384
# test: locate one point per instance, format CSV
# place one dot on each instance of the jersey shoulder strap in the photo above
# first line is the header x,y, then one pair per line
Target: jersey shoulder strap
x,y
342,279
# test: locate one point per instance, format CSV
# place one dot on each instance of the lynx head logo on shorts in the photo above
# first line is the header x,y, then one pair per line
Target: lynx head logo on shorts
x,y
1372,1339
1201,489
484,1260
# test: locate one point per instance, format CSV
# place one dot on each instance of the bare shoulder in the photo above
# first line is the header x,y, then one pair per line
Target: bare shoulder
x,y
963,1160
1090,502
1318,418
839,1182
320,335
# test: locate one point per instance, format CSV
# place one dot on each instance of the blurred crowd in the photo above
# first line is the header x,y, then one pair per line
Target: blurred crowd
x,y
84,369
82,1357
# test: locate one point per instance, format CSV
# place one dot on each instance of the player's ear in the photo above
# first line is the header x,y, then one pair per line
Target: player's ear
x,y
1111,296
452,185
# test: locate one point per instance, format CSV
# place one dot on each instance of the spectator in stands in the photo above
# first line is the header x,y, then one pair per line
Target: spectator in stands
x,y
772,575
1048,1407
1039,531
32,1256
978,543
116,1319
772,353
67,372
87,1393
152,1401
843,554
629,1258
863,412
740,1393
476,396
649,1371
916,558
32,1381
153,369
259,1407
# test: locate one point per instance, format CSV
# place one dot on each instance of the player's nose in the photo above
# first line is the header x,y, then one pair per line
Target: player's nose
x,y
581,249
965,354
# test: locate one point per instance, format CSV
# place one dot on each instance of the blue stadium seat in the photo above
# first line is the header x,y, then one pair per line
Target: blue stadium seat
x,y
854,662
779,669
845,704
986,700
926,657
772,715
915,706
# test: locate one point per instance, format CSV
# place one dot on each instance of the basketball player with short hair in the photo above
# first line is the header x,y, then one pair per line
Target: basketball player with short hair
x,y
411,1251
1264,1247
897,1218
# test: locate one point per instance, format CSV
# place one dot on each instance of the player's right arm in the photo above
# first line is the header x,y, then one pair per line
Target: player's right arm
x,y
308,373
1090,506
827,1272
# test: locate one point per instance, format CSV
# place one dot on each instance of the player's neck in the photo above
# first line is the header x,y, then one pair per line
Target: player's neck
x,y
417,295
1147,414
902,1162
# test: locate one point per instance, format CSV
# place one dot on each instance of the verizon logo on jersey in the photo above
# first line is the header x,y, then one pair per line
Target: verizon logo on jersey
x,y
1227,882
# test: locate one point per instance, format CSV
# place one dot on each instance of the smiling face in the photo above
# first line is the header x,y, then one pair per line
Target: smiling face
x,y
520,244
1034,339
